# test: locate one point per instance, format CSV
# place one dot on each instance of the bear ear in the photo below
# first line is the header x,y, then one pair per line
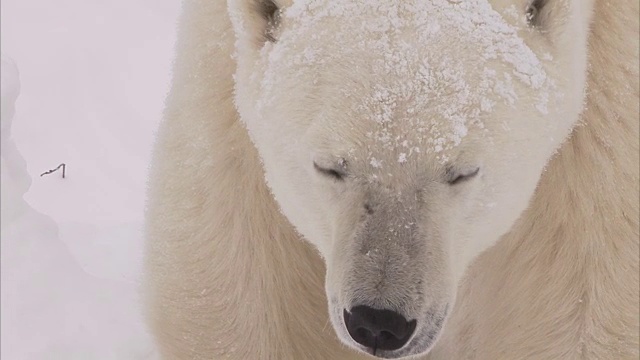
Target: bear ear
x,y
270,13
551,16
537,13
255,22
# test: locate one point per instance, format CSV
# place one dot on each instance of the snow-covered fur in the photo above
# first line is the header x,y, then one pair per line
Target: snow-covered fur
x,y
471,165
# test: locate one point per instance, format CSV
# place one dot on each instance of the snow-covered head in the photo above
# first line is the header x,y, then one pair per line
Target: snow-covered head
x,y
403,138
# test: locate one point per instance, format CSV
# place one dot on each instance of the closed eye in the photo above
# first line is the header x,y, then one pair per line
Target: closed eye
x,y
331,173
455,178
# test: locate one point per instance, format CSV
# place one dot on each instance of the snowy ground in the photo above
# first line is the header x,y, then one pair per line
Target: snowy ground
x,y
90,77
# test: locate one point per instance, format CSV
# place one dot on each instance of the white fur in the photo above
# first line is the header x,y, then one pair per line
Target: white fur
x,y
535,257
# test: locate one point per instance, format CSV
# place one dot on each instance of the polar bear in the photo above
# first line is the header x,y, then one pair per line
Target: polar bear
x,y
425,179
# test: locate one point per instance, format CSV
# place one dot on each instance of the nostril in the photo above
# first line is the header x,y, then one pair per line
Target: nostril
x,y
378,329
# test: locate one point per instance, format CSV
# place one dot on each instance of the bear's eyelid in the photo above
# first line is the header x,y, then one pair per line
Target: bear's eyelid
x,y
334,173
455,177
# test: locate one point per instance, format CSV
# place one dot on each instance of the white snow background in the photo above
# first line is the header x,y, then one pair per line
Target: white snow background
x,y
88,79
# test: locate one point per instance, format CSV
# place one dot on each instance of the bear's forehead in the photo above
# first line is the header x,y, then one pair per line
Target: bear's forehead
x,y
420,72
412,47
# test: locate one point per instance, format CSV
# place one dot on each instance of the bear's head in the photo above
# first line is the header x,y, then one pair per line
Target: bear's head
x,y
403,138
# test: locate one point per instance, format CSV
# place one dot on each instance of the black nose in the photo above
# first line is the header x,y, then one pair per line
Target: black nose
x,y
378,329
